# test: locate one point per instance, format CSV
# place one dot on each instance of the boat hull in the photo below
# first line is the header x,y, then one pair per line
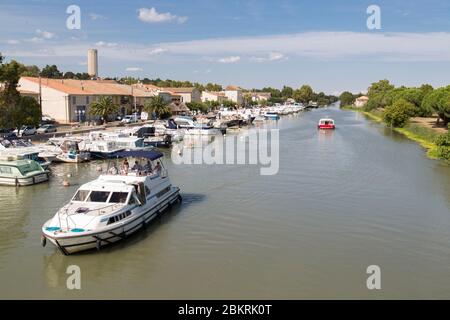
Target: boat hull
x,y
97,240
326,127
28,181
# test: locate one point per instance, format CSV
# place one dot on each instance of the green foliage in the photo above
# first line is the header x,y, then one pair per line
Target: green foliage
x,y
399,113
229,104
15,110
103,107
197,106
51,72
439,101
158,106
304,94
443,146
287,92
26,112
380,87
346,98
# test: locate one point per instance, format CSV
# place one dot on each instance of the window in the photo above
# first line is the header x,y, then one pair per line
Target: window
x,y
98,196
118,197
81,195
87,100
74,100
6,170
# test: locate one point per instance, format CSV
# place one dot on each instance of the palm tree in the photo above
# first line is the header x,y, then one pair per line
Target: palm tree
x,y
103,107
158,106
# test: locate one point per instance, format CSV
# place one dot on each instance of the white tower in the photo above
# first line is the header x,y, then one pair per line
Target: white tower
x,y
93,63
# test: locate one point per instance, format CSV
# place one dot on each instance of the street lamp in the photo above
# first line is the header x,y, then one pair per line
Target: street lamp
x,y
79,113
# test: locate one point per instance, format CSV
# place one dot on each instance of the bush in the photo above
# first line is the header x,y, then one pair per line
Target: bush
x,y
399,113
443,146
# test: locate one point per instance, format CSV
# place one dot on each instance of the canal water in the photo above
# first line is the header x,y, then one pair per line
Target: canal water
x,y
341,201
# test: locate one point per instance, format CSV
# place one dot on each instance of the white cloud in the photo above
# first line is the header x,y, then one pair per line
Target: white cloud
x,y
273,56
366,46
45,34
82,63
95,16
106,44
134,69
231,59
157,51
13,41
152,16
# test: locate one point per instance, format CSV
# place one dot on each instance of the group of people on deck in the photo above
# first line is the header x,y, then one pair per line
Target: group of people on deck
x,y
146,169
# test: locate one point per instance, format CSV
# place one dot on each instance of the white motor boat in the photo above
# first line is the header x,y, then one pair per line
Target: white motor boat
x,y
196,129
69,149
112,207
17,171
100,147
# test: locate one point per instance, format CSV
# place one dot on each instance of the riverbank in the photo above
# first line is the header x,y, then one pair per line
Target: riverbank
x,y
414,130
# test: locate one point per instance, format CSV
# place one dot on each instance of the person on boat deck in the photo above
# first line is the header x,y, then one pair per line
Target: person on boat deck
x,y
113,169
125,166
148,166
157,168
137,166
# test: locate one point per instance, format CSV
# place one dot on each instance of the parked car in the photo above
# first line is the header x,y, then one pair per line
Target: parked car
x,y
47,119
47,128
25,131
7,133
129,119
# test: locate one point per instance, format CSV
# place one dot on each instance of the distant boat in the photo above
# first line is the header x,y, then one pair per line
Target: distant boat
x,y
272,115
326,124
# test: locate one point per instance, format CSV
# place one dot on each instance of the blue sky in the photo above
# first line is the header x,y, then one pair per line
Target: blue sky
x,y
251,43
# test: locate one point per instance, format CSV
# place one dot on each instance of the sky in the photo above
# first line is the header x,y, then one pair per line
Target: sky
x,y
250,43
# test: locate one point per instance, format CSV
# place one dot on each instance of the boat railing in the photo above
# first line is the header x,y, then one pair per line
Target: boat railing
x,y
64,212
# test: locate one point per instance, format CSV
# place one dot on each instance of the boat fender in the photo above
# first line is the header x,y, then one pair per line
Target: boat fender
x,y
98,244
66,183
43,241
33,179
180,198
16,181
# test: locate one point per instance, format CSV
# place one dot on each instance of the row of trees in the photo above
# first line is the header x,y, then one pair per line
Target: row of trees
x,y
104,107
15,110
401,103
304,94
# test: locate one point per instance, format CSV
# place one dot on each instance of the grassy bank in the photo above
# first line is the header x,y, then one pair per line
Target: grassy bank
x,y
414,131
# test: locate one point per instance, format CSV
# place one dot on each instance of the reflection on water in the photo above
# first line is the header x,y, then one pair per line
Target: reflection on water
x,y
342,200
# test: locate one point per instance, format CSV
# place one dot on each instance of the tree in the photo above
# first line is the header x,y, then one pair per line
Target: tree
x,y
304,94
103,107
439,101
443,146
287,92
229,104
69,75
9,96
346,98
51,72
198,106
26,112
30,71
380,87
399,113
156,105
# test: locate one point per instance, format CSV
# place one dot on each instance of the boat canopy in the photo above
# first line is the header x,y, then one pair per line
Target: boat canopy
x,y
148,154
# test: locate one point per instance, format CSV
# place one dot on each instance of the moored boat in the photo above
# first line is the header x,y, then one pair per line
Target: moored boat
x,y
113,206
21,172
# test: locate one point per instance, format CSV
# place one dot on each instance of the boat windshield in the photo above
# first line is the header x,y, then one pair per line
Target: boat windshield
x,y
98,196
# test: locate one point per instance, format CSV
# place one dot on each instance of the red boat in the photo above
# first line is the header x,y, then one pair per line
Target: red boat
x,y
326,124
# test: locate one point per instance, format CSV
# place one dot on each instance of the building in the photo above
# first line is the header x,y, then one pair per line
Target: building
x,y
260,96
69,100
187,94
361,101
213,96
234,94
93,63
